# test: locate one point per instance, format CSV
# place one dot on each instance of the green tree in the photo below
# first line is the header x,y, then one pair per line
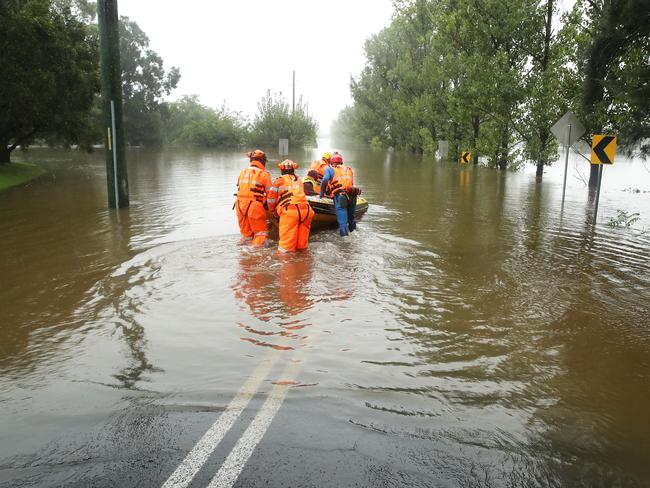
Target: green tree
x,y
610,41
188,122
50,73
275,120
144,84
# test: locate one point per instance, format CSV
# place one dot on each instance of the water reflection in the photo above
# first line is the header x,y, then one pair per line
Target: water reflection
x,y
276,291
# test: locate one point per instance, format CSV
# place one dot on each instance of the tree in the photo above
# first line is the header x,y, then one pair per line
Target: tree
x,y
50,73
189,122
275,120
611,52
144,83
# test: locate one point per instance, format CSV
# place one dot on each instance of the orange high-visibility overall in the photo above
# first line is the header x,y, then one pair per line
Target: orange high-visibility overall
x,y
287,196
252,185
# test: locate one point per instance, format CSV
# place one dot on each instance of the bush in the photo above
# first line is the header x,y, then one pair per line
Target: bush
x,y
275,120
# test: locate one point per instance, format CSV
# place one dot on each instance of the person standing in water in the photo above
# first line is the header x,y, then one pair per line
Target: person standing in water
x,y
287,198
252,186
338,183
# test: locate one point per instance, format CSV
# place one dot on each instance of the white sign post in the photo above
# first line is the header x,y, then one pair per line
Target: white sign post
x,y
283,147
567,130
443,150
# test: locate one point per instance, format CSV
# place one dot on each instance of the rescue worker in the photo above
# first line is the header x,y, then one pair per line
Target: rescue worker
x,y
338,183
310,183
287,198
252,186
321,165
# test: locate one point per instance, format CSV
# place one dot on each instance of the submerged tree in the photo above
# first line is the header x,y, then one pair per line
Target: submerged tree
x,y
188,122
493,76
612,58
50,73
275,120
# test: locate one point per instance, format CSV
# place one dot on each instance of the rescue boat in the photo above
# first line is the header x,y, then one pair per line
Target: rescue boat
x,y
325,214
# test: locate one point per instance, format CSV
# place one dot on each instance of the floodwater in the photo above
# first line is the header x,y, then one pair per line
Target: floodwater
x,y
471,333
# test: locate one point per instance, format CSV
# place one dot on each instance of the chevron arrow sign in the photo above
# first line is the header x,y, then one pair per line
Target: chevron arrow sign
x,y
603,149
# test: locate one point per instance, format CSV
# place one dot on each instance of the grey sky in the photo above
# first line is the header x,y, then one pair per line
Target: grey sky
x,y
236,50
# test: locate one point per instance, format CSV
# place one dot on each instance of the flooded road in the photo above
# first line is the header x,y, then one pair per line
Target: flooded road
x,y
469,334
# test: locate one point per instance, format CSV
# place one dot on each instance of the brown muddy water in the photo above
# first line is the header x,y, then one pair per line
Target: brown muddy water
x,y
469,334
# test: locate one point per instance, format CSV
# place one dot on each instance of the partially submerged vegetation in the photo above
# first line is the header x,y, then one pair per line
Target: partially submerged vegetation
x,y
493,76
52,45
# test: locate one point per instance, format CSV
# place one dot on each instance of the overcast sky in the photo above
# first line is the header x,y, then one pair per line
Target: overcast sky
x,y
234,50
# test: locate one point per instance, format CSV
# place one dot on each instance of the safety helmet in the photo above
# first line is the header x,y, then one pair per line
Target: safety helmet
x,y
326,156
257,155
336,159
287,164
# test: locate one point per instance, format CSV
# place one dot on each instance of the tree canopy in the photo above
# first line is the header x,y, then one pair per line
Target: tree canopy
x,y
50,73
493,76
275,120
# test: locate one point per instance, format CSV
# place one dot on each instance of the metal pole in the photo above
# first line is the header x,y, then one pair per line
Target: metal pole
x,y
566,163
293,103
600,179
109,49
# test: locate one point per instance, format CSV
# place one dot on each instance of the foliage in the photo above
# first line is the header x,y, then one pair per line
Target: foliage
x,y
623,219
493,76
190,123
49,76
275,120
144,83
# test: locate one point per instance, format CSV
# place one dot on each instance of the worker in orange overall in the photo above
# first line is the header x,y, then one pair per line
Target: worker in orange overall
x,y
252,186
287,198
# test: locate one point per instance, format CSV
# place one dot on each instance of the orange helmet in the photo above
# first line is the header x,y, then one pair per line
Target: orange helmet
x,y
336,159
257,155
287,164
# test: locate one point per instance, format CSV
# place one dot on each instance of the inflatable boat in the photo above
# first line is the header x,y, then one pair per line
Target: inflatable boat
x,y
325,214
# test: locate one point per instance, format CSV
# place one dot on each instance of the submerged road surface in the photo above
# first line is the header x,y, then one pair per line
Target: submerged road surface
x,y
469,334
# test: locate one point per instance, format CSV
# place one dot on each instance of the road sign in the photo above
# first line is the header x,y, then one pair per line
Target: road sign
x,y
603,149
568,129
465,157
283,147
443,149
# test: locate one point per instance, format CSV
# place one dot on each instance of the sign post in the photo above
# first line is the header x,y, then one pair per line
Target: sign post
x,y
465,157
603,151
443,149
567,130
283,147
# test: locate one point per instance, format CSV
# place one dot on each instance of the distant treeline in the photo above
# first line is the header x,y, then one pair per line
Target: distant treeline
x,y
493,76
49,51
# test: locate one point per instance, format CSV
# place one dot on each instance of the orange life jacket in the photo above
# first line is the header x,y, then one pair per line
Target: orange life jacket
x,y
319,166
253,183
343,179
289,191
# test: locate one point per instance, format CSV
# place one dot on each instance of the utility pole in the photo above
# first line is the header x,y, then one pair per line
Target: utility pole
x,y
109,49
293,104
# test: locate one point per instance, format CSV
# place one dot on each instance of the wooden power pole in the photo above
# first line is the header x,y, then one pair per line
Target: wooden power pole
x,y
109,48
